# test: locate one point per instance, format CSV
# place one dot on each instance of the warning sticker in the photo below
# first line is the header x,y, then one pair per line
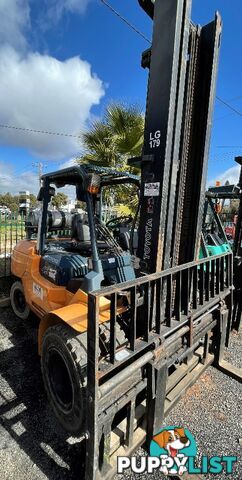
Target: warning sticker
x,y
121,355
111,260
38,291
152,189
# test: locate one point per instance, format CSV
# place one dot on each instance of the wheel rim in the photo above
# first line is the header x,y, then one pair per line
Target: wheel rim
x,y
19,301
60,381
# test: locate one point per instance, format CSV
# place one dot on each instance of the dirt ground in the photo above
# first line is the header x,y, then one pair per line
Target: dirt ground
x,y
32,445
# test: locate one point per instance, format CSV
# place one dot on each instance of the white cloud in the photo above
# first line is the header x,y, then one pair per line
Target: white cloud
x,y
15,182
69,163
232,175
43,93
38,91
15,20
55,9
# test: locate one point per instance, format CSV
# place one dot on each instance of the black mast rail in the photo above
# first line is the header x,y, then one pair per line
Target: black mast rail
x,y
183,63
162,126
195,147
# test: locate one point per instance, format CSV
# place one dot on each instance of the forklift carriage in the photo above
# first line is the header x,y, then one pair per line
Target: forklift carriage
x,y
131,390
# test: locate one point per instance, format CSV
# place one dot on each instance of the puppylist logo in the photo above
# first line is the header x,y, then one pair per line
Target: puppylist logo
x,y
173,451
174,446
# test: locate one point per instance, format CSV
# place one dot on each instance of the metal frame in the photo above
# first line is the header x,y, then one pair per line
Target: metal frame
x,y
140,382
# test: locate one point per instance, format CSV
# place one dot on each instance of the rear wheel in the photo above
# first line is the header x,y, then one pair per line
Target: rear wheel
x,y
64,365
18,302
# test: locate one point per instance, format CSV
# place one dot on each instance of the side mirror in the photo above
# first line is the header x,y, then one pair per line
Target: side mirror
x,y
51,192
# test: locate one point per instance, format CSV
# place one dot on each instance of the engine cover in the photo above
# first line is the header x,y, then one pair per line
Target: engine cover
x,y
118,269
61,267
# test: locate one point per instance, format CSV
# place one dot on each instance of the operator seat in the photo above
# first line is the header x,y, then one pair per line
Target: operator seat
x,y
79,229
124,239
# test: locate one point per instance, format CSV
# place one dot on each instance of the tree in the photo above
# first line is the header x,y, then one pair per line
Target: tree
x,y
10,201
111,142
59,200
33,200
116,138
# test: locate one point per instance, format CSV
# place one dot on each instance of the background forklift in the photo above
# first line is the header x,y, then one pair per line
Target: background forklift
x,y
122,349
216,196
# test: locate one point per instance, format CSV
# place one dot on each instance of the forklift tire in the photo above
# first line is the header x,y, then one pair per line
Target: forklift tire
x,y
18,302
64,370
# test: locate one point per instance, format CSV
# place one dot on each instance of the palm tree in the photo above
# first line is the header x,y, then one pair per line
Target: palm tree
x,y
110,143
115,139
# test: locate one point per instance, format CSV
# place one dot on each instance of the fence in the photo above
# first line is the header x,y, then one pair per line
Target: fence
x,y
12,229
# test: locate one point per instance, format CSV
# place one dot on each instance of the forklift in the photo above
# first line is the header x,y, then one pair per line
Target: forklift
x,y
123,334
216,197
55,274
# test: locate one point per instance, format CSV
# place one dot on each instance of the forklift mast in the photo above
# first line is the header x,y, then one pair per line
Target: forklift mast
x,y
182,63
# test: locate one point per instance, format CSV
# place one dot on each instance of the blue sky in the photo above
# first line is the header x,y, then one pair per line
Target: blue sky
x,y
62,61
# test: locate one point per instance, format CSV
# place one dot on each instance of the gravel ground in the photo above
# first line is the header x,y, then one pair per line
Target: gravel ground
x,y
33,447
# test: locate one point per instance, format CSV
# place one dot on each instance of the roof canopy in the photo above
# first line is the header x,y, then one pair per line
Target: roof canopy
x,y
77,174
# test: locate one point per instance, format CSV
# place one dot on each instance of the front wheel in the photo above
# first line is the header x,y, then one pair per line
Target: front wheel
x,y
64,370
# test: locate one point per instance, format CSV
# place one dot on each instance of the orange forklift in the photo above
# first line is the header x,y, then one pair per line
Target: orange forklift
x,y
125,331
55,274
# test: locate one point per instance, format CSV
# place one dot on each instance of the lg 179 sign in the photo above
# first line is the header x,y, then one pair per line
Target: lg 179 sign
x,y
155,139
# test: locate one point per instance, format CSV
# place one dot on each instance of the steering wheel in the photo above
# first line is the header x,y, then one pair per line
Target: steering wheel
x,y
115,222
